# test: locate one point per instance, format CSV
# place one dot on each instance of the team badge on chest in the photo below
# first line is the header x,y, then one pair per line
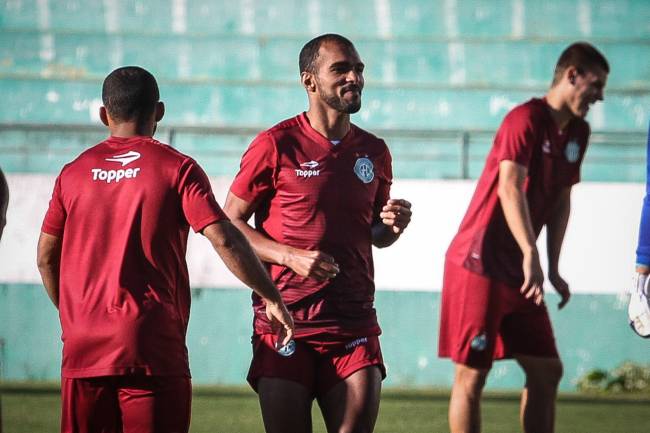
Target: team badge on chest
x,y
363,168
572,151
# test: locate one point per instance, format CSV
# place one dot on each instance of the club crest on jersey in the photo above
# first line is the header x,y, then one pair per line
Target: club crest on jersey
x,y
308,169
363,168
572,151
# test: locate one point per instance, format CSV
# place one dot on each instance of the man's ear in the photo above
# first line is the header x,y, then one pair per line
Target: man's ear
x,y
571,74
103,115
308,81
160,110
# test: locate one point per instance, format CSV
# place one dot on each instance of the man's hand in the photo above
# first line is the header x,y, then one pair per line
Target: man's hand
x,y
562,288
312,264
281,322
533,286
396,214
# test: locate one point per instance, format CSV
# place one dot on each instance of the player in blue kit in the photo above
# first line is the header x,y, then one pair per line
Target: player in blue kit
x,y
639,308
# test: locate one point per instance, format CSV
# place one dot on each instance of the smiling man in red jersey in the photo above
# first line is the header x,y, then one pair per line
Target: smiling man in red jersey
x,y
112,259
492,298
319,189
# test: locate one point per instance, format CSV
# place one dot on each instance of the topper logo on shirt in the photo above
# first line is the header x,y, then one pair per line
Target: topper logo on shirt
x,y
109,176
308,170
126,158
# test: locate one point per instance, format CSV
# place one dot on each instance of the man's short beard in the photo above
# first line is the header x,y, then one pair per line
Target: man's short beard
x,y
340,105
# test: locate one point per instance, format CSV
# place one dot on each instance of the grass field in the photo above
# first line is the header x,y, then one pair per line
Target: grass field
x,y
35,409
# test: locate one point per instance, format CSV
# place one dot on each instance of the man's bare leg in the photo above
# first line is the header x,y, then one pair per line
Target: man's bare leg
x,y
286,405
537,413
465,403
352,405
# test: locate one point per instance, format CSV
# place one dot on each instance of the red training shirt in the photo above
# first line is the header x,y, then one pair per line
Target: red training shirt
x,y
314,195
123,209
528,136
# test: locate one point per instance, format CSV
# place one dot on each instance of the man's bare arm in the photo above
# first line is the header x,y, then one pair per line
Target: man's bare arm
x,y
515,208
395,217
48,261
555,230
307,263
239,257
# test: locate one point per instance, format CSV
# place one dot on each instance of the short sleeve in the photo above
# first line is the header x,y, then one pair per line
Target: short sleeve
x,y
199,205
516,138
55,217
256,177
385,181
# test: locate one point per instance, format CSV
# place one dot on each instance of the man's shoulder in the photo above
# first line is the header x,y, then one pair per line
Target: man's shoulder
x,y
532,110
147,150
287,126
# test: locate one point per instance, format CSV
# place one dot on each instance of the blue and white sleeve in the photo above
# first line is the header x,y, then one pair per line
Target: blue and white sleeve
x,y
643,249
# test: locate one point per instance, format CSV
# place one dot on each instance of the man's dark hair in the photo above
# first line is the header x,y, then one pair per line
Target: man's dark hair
x,y
130,93
581,55
309,53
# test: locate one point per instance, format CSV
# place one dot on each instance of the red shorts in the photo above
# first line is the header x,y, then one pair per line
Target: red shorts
x,y
482,320
316,364
126,404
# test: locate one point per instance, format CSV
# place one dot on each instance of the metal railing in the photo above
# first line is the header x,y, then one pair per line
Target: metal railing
x,y
461,143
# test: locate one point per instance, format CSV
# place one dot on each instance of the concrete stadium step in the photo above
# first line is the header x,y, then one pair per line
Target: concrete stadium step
x,y
377,18
75,101
465,63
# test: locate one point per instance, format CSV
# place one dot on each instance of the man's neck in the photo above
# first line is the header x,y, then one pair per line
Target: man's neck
x,y
330,123
560,112
131,129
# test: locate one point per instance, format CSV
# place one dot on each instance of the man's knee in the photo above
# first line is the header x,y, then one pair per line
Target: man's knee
x,y
545,373
470,380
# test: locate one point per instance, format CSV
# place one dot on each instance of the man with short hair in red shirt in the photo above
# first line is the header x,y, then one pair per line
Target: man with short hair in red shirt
x,y
319,189
112,258
492,297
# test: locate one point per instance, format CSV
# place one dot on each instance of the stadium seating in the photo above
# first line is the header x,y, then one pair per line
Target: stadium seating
x,y
480,63
449,65
360,19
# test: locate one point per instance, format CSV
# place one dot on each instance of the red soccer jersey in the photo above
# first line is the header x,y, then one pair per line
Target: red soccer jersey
x,y
123,209
315,195
528,136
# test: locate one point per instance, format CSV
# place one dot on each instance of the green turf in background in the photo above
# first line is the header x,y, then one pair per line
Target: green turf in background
x,y
235,410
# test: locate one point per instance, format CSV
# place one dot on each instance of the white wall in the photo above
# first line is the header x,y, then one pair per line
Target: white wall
x,y
598,256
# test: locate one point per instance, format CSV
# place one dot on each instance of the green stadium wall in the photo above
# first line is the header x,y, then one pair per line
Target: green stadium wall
x,y
591,331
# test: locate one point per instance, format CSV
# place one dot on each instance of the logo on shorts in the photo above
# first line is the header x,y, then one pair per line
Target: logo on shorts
x,y
288,349
308,169
572,151
479,343
354,343
363,168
